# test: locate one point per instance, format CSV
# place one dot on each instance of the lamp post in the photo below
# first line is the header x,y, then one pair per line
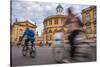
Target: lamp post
x,y
46,38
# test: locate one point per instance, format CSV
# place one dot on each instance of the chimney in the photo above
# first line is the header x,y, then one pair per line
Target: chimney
x,y
16,20
35,23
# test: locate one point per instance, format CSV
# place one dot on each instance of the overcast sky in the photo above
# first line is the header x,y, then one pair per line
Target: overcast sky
x,y
35,12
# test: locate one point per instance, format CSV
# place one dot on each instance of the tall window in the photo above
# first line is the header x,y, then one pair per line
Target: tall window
x,y
87,20
95,16
55,30
20,30
50,37
56,21
50,22
62,21
45,24
88,28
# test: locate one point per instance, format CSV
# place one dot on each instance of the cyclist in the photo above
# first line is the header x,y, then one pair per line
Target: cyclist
x,y
80,49
29,36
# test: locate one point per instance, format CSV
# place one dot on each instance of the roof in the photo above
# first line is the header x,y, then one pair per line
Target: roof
x,y
88,8
25,22
55,16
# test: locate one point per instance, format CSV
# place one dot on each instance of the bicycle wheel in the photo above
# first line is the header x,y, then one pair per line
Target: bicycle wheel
x,y
24,51
33,52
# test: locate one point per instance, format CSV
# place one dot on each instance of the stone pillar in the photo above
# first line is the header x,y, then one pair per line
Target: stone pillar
x,y
92,21
84,21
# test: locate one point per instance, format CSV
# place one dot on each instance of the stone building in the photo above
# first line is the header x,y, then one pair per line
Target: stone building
x,y
89,21
54,23
18,28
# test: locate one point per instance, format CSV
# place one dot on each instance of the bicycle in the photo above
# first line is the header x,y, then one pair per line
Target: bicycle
x,y
30,49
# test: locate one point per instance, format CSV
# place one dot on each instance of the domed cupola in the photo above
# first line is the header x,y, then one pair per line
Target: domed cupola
x,y
59,9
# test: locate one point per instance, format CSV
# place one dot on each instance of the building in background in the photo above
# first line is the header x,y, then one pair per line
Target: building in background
x,y
89,21
38,40
54,23
18,28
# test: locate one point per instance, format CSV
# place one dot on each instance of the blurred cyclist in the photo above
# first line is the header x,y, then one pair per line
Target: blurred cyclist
x,y
80,49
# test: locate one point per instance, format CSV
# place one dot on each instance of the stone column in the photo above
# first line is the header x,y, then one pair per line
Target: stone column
x,y
84,21
92,21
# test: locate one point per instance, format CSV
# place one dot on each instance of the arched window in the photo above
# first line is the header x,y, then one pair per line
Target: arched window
x,y
50,31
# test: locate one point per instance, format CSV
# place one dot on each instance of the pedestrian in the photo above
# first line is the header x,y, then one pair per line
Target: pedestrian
x,y
58,46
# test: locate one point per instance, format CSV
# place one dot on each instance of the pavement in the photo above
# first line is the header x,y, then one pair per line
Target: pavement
x,y
44,55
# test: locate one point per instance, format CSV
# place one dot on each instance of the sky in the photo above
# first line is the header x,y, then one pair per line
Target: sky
x,y
36,12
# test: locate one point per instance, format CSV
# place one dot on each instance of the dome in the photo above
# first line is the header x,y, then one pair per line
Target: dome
x,y
59,6
59,9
